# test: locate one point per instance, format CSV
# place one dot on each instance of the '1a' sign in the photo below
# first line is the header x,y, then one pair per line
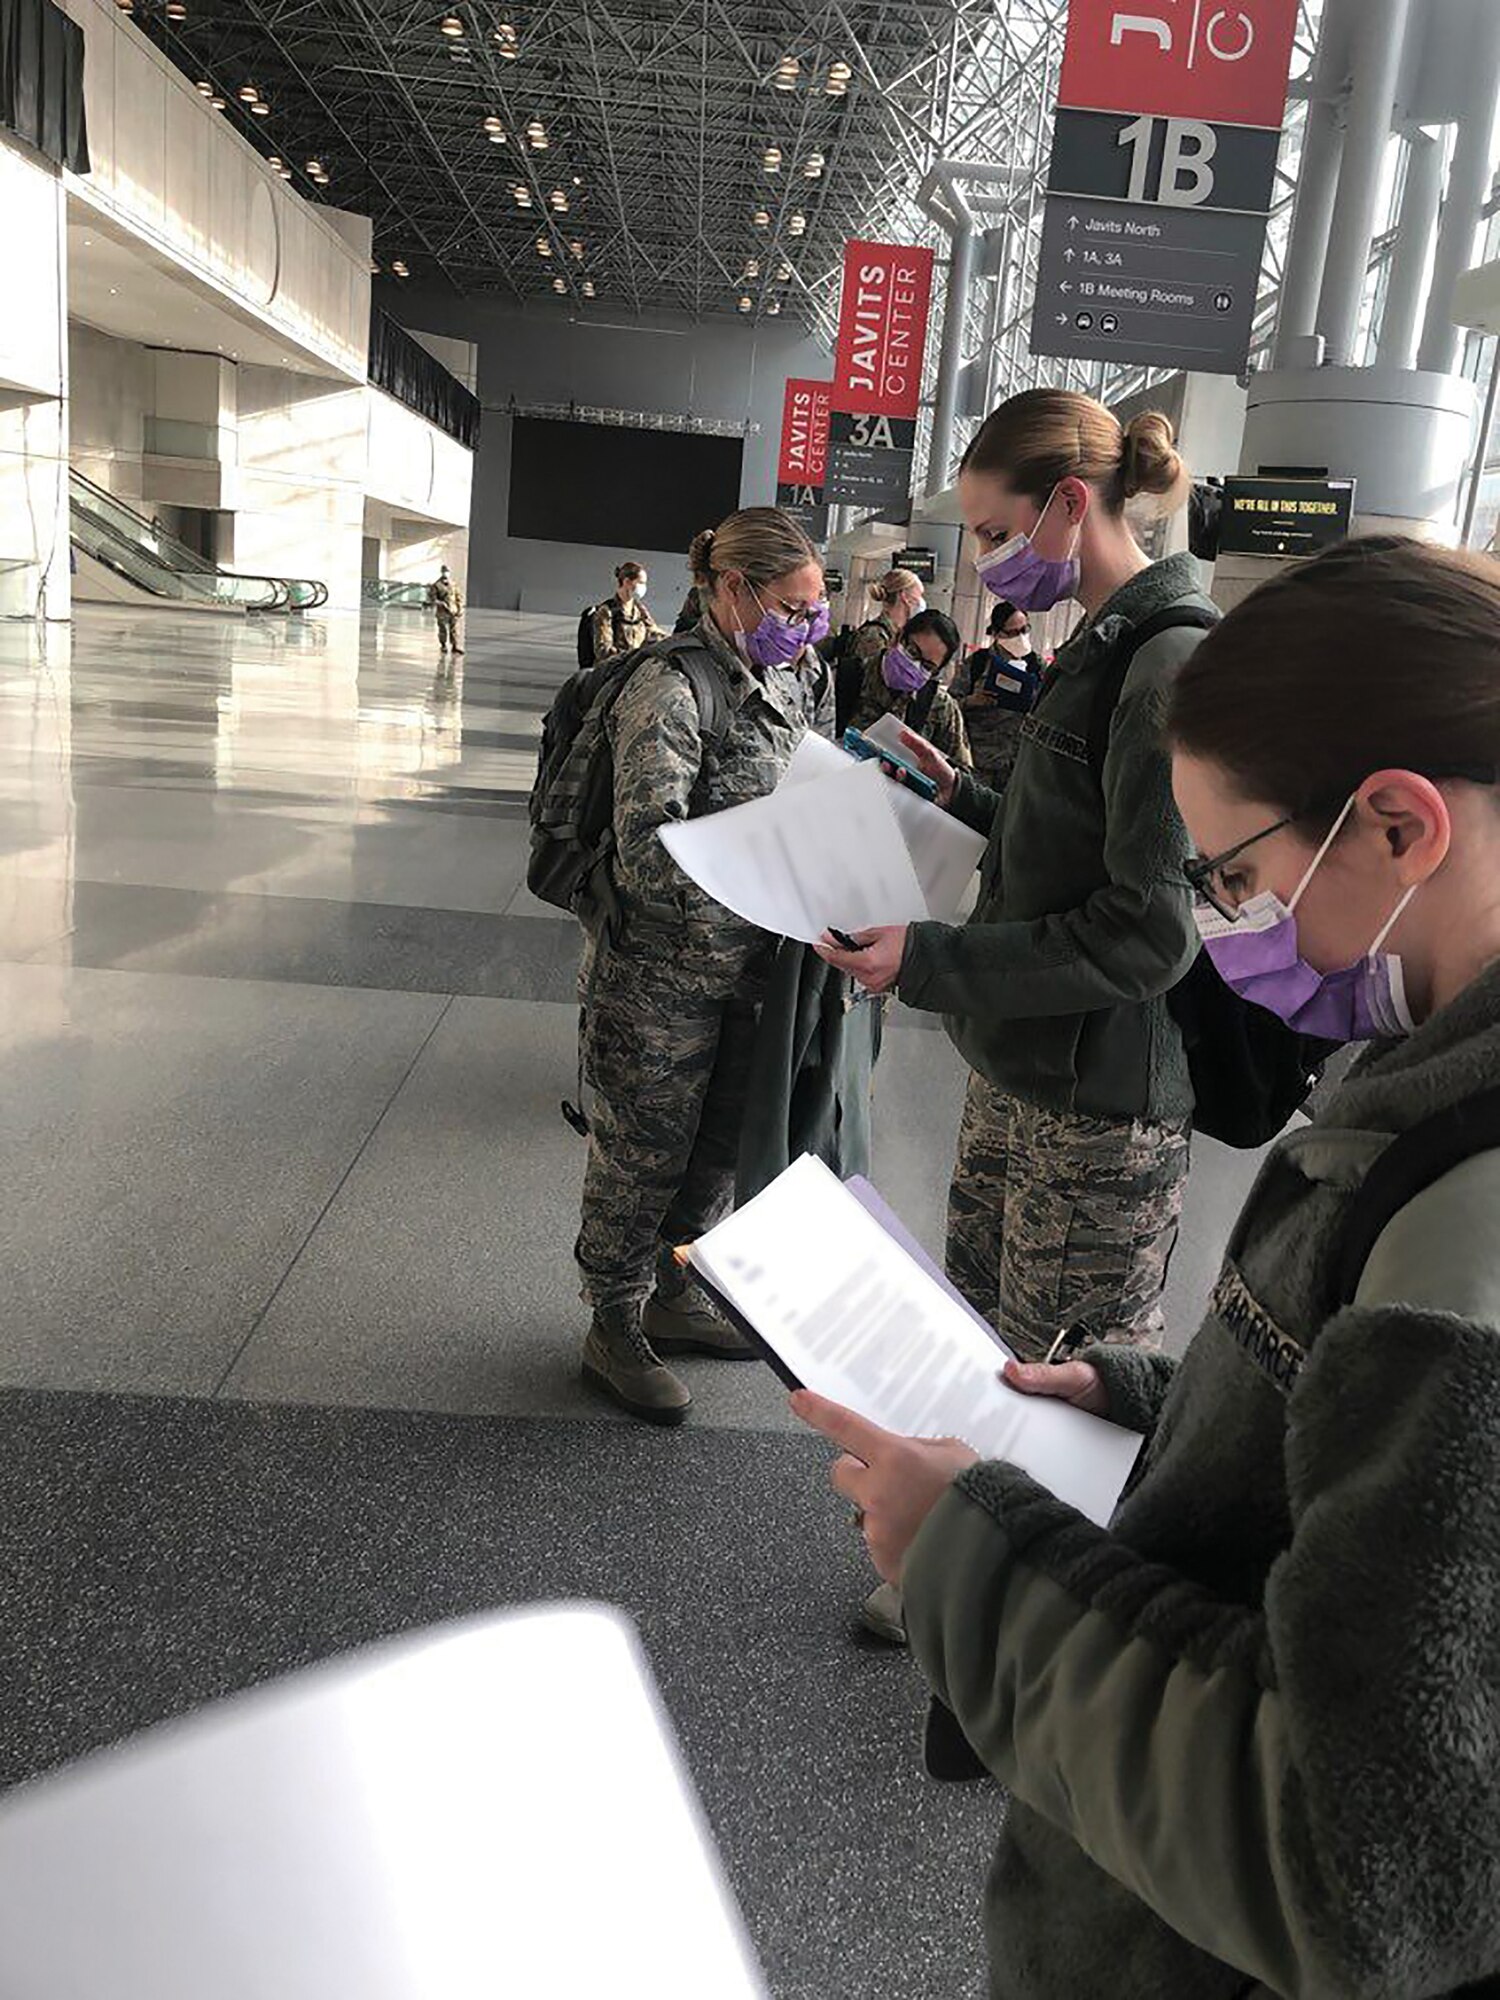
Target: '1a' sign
x,y
877,380
801,467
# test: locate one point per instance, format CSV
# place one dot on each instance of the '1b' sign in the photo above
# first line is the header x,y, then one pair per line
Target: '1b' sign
x,y
1206,59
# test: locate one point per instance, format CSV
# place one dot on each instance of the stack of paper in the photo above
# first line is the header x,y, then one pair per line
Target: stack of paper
x,y
494,1807
836,844
843,1308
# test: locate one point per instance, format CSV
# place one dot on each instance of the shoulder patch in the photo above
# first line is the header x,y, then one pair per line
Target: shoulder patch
x,y
1276,1354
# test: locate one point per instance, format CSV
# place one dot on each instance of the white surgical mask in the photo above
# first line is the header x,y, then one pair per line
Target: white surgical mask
x,y
640,593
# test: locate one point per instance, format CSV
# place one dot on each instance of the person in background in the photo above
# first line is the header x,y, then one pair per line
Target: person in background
x,y
999,688
672,1003
1249,1730
446,602
906,681
622,622
1073,1149
900,595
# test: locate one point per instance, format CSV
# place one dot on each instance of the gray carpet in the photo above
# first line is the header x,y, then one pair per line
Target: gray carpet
x,y
157,1553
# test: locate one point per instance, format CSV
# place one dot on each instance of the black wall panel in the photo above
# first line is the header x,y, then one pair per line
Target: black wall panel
x,y
618,489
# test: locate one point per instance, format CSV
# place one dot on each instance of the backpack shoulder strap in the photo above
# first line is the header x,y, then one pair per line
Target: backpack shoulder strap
x,y
1171,618
1410,1164
699,669
920,712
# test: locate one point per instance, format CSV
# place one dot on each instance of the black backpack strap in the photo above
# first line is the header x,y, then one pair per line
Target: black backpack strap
x,y
1410,1164
1172,618
920,713
701,672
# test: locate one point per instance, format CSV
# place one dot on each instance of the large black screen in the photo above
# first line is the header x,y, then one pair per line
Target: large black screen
x,y
617,488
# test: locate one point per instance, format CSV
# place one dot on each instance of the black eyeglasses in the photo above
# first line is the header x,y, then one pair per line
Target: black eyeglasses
x,y
1201,870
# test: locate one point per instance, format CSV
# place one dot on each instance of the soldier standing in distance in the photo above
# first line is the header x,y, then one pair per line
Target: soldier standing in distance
x,y
446,601
622,622
672,1003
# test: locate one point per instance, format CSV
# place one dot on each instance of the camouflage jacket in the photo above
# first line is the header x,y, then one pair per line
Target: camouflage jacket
x,y
944,727
664,771
445,595
620,628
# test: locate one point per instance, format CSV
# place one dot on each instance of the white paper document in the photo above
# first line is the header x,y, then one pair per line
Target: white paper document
x,y
850,1314
837,843
402,1824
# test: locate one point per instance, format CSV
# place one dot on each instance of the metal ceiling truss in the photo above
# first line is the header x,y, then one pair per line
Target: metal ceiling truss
x,y
657,116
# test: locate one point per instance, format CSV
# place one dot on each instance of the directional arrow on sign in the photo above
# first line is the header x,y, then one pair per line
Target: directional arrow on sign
x,y
1062,319
1072,222
1069,254
1065,288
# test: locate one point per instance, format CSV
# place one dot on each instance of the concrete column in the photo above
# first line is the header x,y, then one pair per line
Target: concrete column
x,y
950,355
1468,184
1317,184
1409,260
34,546
1379,38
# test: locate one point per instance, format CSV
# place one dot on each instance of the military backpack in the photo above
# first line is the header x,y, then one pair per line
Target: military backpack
x,y
573,797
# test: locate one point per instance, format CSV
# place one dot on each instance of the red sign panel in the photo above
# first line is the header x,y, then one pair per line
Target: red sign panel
x,y
882,329
1180,58
804,433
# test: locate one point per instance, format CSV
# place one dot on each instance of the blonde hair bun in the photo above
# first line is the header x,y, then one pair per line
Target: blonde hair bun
x,y
1149,459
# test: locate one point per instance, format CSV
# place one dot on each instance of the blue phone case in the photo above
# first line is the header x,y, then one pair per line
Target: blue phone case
x,y
859,745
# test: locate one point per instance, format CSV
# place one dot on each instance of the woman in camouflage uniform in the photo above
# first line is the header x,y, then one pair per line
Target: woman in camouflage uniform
x,y
907,681
622,622
673,996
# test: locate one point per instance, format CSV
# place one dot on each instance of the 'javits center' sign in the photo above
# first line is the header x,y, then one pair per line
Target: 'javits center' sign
x,y
802,465
877,375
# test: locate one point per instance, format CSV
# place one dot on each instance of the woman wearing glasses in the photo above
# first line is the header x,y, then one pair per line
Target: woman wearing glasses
x,y
1251,1732
671,994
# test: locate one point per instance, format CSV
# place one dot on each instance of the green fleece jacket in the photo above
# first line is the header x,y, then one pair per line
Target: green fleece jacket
x,y
1252,1731
1055,990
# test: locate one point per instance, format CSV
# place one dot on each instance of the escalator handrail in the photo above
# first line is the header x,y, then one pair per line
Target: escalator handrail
x,y
136,564
281,587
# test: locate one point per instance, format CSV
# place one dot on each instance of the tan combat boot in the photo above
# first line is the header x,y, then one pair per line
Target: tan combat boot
x,y
679,1320
618,1361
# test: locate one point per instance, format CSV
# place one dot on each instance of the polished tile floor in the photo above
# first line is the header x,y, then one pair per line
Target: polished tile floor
x,y
282,1042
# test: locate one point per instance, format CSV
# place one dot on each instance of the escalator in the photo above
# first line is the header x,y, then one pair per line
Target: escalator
x,y
121,556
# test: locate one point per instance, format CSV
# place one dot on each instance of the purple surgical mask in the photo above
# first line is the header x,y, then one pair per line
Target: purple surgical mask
x,y
1256,954
901,673
1030,581
775,642
818,625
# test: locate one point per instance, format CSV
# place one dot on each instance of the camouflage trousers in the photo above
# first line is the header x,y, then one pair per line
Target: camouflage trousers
x,y
666,1052
1057,1220
447,625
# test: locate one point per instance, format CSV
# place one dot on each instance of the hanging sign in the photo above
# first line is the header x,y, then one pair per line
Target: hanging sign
x,y
1161,181
877,376
801,468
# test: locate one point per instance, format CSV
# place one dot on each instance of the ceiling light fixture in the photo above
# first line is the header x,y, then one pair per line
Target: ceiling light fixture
x,y
752,268
773,307
523,196
577,249
451,26
543,247
400,268
797,223
762,218
771,159
536,136
176,11
588,288
260,109
493,124
559,201
126,6
787,72
275,162
744,302
559,284
203,88
812,167
507,41
249,92
839,74
783,272
217,103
